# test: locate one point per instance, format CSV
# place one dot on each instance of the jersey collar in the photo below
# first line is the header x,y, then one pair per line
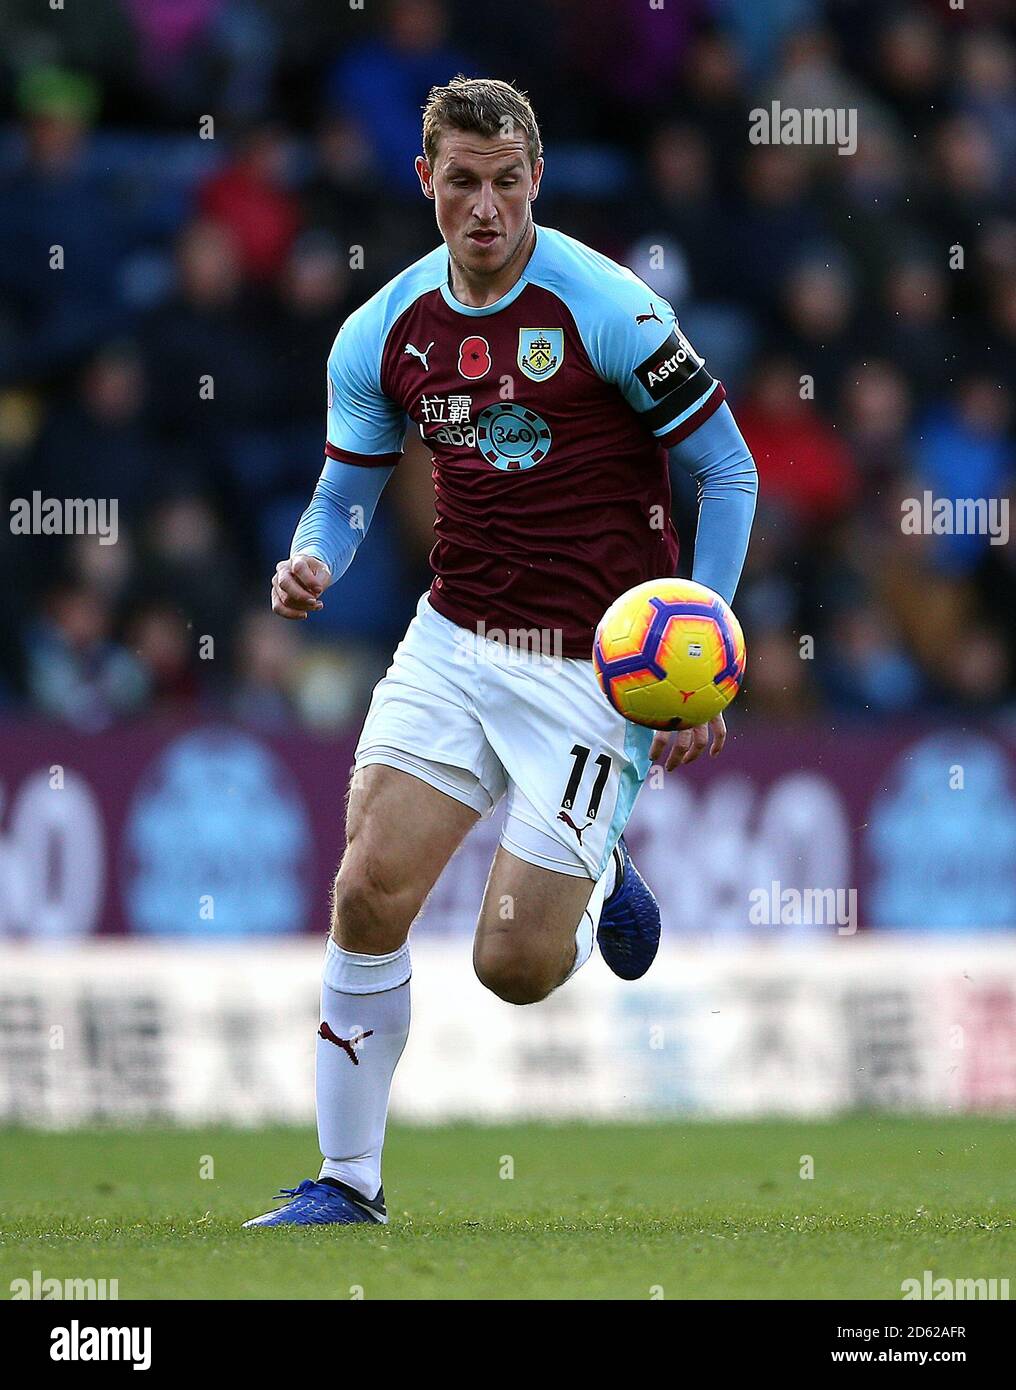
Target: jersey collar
x,y
508,298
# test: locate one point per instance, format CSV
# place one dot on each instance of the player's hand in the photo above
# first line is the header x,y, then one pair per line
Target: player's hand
x,y
689,744
297,586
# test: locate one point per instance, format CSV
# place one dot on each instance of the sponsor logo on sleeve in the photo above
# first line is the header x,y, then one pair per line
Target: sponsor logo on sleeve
x,y
669,367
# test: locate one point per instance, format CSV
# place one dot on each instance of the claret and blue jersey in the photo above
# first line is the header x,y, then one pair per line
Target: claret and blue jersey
x,y
549,414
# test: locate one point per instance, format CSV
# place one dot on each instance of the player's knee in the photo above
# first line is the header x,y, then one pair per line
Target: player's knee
x,y
517,981
369,912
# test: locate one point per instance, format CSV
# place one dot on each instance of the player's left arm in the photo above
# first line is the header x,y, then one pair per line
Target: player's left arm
x,y
719,460
639,346
670,388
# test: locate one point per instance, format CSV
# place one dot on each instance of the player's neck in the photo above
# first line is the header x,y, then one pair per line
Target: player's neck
x,y
477,291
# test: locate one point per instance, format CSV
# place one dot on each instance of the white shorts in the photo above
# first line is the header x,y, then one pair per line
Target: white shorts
x,y
479,720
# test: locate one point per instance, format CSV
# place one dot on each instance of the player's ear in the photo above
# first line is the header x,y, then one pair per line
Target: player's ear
x,y
426,176
537,176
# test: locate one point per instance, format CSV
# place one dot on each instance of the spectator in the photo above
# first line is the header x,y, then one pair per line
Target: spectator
x,y
164,644
208,355
909,70
875,406
384,81
801,461
268,655
189,566
866,669
918,329
251,199
818,312
100,443
76,672
963,450
681,202
779,224
60,293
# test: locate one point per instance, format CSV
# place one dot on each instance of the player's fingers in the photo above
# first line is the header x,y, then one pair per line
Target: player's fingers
x,y
292,587
294,593
304,572
284,612
290,598
699,742
292,584
658,745
719,729
281,607
680,746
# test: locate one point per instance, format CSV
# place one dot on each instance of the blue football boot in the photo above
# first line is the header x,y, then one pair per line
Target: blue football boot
x,y
629,932
324,1203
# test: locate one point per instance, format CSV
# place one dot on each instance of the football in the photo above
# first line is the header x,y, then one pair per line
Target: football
x,y
669,654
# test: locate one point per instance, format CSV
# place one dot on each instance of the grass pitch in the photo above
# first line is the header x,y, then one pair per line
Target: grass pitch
x,y
679,1211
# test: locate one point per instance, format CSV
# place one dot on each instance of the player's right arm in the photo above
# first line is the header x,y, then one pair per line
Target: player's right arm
x,y
366,432
327,536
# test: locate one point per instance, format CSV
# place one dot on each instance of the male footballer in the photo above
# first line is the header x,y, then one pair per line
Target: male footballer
x,y
555,390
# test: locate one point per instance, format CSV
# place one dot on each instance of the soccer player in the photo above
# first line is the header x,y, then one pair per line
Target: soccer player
x,y
554,388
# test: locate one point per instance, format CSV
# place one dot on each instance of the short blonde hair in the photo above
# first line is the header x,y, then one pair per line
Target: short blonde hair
x,y
483,105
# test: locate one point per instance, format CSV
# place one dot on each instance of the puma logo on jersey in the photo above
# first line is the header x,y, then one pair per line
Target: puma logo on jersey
x,y
411,351
563,815
347,1044
650,317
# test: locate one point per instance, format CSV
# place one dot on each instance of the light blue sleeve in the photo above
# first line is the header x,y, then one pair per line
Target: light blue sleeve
x,y
719,460
641,349
631,336
366,429
339,513
361,419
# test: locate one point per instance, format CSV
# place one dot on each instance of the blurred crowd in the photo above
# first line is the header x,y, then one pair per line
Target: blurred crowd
x,y
194,193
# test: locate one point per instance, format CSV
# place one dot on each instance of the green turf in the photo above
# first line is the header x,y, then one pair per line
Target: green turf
x,y
694,1210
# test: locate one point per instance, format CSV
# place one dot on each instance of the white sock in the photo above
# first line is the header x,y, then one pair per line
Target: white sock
x,y
365,1005
585,936
610,874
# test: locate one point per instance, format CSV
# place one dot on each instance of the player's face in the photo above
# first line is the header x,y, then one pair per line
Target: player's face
x,y
482,189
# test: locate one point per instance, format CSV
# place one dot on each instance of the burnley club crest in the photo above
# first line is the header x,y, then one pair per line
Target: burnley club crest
x,y
541,351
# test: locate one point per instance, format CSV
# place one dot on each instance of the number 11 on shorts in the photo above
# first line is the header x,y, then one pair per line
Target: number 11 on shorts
x,y
603,765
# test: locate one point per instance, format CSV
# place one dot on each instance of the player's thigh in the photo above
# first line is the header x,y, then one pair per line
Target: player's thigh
x,y
525,934
574,765
400,833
